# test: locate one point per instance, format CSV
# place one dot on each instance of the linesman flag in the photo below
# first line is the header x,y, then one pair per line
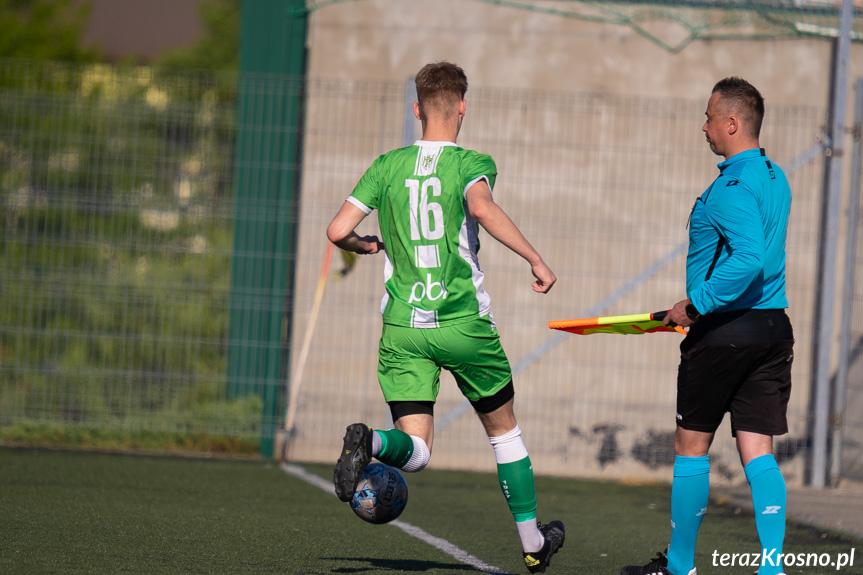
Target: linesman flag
x,y
623,324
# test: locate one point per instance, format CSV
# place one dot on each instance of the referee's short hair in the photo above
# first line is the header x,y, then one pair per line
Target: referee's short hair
x,y
739,97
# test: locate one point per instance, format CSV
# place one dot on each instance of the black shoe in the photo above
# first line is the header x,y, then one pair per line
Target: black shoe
x,y
656,567
355,455
554,534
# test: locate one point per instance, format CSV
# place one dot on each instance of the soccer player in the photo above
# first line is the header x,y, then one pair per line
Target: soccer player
x,y
431,198
737,355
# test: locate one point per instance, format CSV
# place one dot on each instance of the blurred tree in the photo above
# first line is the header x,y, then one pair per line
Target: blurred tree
x,y
44,30
218,47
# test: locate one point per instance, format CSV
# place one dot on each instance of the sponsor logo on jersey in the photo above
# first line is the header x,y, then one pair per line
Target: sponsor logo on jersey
x,y
430,290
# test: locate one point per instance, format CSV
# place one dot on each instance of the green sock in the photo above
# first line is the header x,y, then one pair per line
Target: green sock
x,y
396,447
516,482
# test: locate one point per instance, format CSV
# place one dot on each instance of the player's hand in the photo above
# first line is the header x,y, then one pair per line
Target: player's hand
x,y
369,245
545,278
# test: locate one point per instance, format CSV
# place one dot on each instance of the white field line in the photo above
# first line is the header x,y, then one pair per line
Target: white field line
x,y
441,544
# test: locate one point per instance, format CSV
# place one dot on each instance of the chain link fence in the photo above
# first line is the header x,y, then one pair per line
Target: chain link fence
x,y
116,230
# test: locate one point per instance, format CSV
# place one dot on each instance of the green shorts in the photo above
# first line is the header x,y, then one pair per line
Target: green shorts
x,y
410,360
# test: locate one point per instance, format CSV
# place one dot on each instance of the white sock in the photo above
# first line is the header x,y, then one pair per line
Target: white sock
x,y
530,535
419,458
377,444
509,447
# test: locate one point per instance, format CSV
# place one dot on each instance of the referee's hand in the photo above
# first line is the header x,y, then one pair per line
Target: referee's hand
x,y
677,315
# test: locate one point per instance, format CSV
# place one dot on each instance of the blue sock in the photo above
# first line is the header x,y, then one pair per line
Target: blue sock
x,y
689,494
768,501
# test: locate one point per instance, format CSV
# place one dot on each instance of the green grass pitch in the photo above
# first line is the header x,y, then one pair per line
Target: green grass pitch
x,y
71,512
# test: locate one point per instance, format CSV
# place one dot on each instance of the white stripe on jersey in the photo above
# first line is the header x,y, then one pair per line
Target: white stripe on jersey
x,y
423,318
467,241
427,256
388,273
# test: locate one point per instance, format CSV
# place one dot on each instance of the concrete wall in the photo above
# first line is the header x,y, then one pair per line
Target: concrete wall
x,y
505,47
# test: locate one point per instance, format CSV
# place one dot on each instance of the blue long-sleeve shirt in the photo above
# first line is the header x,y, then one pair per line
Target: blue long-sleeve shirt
x,y
748,205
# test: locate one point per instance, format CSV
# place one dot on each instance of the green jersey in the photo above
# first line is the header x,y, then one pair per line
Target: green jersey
x,y
432,274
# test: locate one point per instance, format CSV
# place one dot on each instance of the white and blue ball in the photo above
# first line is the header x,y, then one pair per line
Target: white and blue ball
x,y
381,494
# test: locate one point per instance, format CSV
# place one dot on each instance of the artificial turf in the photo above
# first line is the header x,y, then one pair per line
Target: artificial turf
x,y
73,512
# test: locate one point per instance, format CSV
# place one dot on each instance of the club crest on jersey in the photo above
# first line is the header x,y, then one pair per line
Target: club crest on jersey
x,y
426,162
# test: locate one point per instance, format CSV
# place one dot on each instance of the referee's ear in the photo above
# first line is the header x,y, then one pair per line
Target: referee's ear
x,y
733,125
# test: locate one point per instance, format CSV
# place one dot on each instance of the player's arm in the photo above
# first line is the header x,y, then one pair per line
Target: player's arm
x,y
341,231
494,220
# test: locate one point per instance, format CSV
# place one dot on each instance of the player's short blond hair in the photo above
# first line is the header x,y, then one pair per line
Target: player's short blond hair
x,y
440,87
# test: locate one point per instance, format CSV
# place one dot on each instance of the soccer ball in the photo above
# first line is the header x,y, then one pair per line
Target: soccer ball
x,y
381,494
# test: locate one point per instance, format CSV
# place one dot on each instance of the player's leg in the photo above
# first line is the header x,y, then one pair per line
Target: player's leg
x,y
472,352
515,475
408,445
409,380
403,447
514,469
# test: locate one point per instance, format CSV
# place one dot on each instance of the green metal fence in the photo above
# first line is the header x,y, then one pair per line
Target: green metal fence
x,y
117,220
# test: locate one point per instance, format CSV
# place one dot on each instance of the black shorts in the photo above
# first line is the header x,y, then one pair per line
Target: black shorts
x,y
737,362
